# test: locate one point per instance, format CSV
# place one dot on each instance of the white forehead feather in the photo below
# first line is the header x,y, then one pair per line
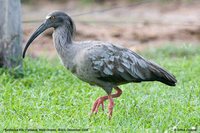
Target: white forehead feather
x,y
48,16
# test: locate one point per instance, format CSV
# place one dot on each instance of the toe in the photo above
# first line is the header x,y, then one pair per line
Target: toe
x,y
94,106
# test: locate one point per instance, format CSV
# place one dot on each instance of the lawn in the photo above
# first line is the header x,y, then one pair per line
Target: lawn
x,y
50,97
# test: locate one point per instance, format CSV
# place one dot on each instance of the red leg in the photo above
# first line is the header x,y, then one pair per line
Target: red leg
x,y
118,93
100,101
110,106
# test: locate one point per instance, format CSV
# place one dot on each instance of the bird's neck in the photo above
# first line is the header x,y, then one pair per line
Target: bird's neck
x,y
63,43
62,37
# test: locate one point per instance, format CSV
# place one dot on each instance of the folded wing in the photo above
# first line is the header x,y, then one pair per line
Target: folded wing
x,y
120,65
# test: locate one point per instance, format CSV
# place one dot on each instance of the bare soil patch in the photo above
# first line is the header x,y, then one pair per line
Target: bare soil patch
x,y
140,27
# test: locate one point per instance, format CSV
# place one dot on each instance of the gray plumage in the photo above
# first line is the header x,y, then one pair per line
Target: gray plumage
x,y
99,63
108,66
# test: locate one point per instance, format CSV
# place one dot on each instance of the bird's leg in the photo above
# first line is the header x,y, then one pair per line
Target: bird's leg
x,y
118,93
110,106
100,100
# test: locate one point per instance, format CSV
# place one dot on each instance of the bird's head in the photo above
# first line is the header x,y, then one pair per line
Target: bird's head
x,y
54,20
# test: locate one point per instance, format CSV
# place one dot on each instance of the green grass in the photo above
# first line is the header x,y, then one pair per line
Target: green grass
x,y
49,97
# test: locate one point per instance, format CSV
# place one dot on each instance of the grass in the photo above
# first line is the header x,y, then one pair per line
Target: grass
x,y
49,97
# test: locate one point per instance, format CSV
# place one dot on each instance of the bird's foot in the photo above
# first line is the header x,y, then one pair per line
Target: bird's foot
x,y
100,101
97,103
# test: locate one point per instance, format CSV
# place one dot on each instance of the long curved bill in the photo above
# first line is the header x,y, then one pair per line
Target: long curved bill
x,y
41,29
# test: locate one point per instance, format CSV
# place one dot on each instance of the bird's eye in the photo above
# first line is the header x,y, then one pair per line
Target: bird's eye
x,y
52,17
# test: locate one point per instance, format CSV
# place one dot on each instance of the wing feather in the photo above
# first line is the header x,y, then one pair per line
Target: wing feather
x,y
120,65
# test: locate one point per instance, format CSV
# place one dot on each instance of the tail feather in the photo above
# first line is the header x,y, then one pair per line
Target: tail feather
x,y
162,75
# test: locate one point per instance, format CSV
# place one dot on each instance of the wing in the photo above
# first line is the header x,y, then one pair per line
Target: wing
x,y
120,65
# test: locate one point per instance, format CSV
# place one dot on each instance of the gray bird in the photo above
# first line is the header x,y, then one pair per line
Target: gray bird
x,y
99,63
